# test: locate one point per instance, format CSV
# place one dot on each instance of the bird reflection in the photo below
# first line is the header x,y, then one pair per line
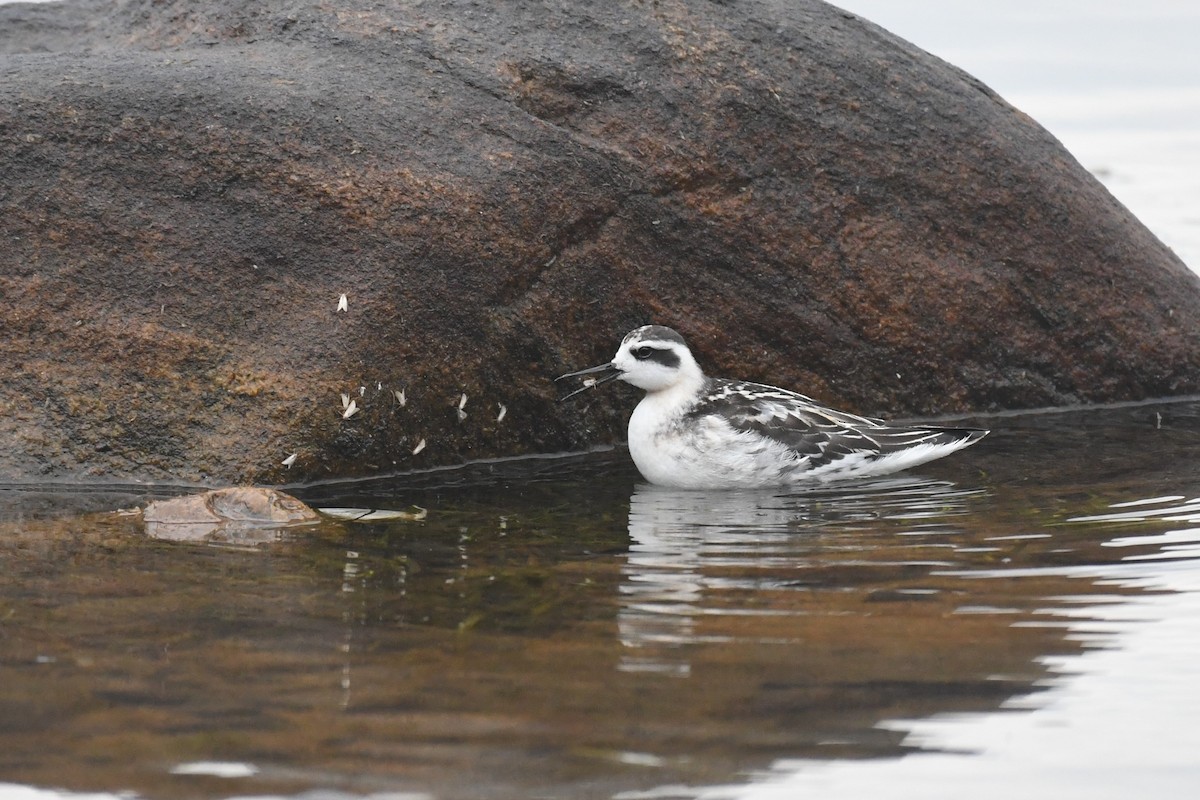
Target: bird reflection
x,y
689,546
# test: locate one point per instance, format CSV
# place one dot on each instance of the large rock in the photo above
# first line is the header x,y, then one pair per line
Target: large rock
x,y
501,191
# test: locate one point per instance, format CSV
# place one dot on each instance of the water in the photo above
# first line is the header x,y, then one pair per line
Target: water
x,y
1021,617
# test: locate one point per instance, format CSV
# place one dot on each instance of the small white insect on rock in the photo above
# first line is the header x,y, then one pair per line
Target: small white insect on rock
x,y
400,397
351,410
343,304
503,412
420,446
287,462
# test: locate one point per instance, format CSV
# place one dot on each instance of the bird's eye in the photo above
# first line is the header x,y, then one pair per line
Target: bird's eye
x,y
642,353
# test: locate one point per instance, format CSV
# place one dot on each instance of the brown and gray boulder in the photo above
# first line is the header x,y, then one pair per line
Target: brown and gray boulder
x,y
246,515
501,190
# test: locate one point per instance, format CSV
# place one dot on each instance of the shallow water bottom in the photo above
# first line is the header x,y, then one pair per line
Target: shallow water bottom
x,y
1023,617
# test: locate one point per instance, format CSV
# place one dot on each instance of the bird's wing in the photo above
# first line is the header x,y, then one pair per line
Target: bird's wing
x,y
759,400
815,433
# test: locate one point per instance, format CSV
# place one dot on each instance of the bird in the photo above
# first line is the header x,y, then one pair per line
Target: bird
x,y
691,431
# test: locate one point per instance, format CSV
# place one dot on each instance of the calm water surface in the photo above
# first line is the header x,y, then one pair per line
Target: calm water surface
x,y
1021,619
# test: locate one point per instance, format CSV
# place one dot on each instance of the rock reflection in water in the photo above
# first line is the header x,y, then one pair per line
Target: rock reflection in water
x,y
545,637
1113,721
237,516
678,535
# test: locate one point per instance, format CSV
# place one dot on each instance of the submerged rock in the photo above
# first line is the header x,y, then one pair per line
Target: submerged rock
x,y
499,192
240,514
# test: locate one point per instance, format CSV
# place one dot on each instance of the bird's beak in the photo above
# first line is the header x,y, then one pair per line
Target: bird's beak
x,y
607,373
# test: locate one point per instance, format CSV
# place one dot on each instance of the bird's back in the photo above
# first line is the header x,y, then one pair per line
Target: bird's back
x,y
796,438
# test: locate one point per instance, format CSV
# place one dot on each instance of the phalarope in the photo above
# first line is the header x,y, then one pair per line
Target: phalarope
x,y
692,431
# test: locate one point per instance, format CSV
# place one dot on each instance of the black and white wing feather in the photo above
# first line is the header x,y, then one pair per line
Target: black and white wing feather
x,y
819,436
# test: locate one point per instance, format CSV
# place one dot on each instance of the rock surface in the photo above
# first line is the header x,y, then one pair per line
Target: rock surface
x,y
238,514
501,191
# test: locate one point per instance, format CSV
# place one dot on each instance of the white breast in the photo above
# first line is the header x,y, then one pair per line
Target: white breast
x,y
700,453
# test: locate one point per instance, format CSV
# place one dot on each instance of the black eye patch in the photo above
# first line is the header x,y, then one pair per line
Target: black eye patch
x,y
666,356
